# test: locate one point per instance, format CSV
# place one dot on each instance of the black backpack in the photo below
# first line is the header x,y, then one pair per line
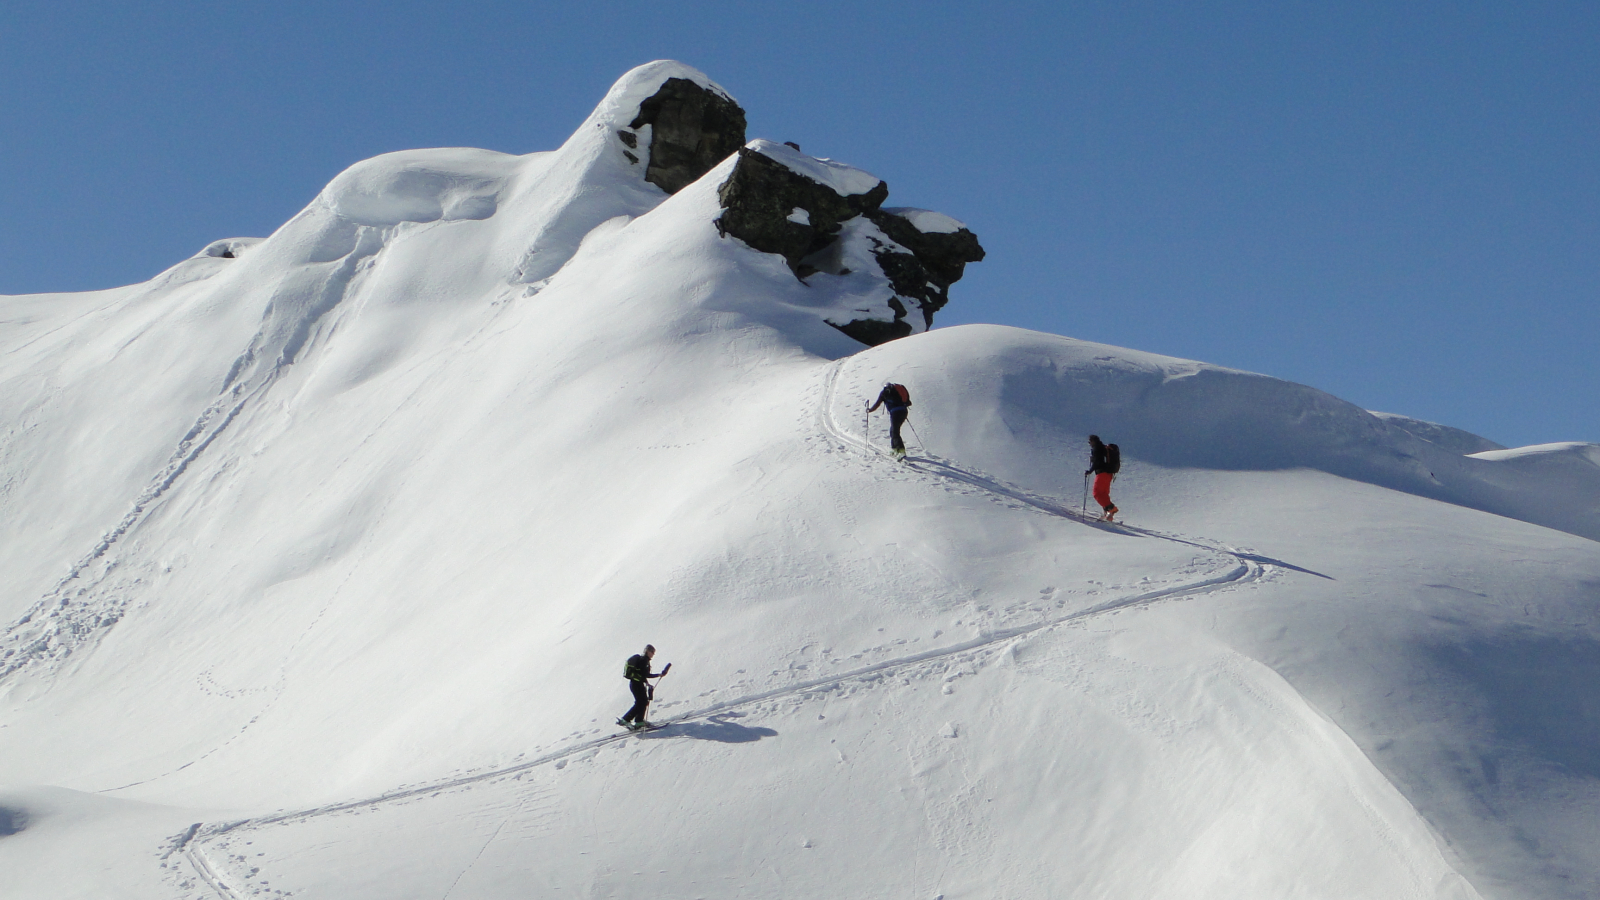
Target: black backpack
x,y
1113,459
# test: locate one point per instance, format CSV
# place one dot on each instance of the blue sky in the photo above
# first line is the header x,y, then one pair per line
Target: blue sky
x,y
1398,203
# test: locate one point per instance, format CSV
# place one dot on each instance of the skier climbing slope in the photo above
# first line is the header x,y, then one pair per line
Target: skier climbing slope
x,y
896,400
1104,464
637,672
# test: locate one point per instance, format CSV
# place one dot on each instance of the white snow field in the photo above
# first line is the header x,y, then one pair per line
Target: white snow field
x,y
323,554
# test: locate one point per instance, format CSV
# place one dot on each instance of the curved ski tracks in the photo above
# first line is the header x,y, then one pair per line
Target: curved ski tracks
x,y
935,467
1248,568
191,844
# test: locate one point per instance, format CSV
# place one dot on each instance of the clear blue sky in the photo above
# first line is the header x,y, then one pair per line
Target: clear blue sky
x,y
1398,203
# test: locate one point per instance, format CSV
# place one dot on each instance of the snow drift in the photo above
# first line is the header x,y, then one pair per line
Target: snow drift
x,y
324,552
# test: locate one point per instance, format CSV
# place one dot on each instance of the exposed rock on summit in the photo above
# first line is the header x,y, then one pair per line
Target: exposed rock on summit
x,y
931,260
691,129
826,220
762,196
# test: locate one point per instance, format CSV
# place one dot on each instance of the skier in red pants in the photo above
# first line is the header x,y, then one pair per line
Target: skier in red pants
x,y
1104,462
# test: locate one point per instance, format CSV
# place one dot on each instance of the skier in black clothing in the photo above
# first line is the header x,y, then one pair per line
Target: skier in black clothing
x,y
637,671
1104,463
897,400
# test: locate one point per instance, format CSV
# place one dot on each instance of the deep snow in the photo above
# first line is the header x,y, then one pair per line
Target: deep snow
x,y
333,544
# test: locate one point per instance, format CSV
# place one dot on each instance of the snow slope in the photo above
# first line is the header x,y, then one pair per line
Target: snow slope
x,y
324,557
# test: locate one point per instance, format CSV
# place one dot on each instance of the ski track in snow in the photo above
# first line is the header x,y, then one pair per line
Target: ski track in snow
x,y
66,619
87,602
70,618
929,464
1248,567
192,843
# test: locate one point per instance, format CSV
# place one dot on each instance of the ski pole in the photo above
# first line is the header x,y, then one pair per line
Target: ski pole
x,y
658,681
920,445
1084,513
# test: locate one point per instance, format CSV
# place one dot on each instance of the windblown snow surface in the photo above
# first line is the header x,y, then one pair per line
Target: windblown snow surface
x,y
323,554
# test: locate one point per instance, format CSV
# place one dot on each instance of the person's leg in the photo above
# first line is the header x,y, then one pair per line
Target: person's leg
x,y
641,702
897,418
1102,491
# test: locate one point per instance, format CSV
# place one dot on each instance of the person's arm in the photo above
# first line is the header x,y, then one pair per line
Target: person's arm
x,y
662,672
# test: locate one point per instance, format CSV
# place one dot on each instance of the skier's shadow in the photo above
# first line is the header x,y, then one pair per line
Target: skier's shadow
x,y
1267,560
956,473
714,728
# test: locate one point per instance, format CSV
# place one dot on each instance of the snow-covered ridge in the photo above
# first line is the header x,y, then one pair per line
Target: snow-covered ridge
x,y
621,104
420,186
1453,439
647,138
1590,452
1184,414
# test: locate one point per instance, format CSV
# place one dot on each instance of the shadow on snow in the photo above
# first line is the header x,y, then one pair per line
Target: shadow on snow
x,y
713,728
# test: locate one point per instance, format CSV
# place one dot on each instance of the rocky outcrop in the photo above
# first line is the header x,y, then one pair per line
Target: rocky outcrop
x,y
229,248
762,204
895,266
944,254
691,128
930,262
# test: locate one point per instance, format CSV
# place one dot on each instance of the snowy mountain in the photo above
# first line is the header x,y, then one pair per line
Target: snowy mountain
x,y
324,552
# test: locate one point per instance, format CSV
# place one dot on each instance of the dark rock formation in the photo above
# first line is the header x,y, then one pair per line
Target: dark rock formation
x,y
760,199
691,130
873,332
936,261
776,209
945,254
